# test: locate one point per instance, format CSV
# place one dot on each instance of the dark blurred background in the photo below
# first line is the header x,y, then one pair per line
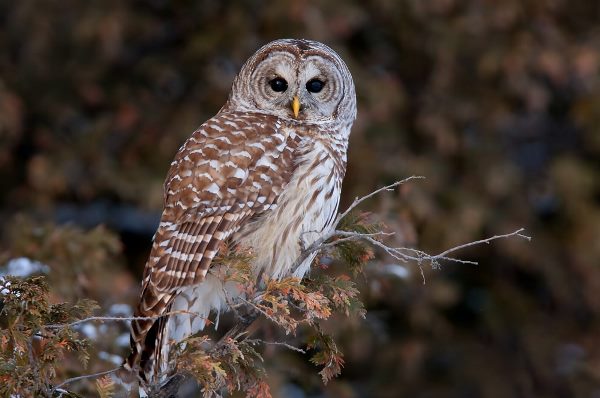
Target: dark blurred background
x,y
497,103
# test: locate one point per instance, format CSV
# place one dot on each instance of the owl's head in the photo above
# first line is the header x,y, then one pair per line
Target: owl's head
x,y
298,80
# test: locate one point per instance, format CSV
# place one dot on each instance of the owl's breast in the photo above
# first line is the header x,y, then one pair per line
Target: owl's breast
x,y
304,212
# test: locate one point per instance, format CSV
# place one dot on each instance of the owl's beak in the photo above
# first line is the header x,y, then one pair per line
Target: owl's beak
x,y
296,106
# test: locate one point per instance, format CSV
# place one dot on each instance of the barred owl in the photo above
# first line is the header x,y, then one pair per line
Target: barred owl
x,y
265,172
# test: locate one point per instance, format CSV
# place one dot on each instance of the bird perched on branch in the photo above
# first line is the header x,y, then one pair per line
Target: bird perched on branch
x,y
265,172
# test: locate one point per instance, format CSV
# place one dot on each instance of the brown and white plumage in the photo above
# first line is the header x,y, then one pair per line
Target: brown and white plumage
x,y
265,172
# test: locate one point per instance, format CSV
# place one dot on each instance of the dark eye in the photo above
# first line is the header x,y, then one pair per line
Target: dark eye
x,y
278,84
315,85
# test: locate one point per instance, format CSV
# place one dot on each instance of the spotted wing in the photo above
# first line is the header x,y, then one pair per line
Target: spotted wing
x,y
233,168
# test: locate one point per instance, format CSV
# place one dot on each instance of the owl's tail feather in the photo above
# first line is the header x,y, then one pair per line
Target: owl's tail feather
x,y
144,362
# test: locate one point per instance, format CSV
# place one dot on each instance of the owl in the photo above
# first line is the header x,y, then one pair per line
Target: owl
x,y
265,173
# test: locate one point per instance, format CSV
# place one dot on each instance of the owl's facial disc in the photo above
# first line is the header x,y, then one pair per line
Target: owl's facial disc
x,y
296,80
297,86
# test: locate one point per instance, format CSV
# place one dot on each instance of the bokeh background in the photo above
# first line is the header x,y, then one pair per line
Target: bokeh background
x,y
496,103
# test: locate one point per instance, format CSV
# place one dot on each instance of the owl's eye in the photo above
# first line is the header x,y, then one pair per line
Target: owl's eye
x,y
315,85
278,84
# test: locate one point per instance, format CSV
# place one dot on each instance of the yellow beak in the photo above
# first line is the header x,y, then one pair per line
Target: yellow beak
x,y
296,106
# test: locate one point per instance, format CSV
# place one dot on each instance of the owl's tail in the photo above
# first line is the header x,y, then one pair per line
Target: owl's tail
x,y
148,362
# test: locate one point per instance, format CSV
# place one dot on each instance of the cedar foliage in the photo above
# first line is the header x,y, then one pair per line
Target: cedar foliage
x,y
37,335
298,307
31,348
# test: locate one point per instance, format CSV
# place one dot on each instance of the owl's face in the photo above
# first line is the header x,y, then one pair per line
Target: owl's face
x,y
296,80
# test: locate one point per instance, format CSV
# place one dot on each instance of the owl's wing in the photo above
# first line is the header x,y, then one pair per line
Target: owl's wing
x,y
232,168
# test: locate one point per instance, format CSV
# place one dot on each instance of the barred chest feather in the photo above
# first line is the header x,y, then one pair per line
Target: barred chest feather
x,y
305,211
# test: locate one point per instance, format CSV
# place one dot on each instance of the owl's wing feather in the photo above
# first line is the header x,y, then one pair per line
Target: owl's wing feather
x,y
215,183
232,168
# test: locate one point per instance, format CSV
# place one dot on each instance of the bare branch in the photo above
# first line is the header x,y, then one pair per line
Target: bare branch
x,y
419,256
279,343
257,308
358,200
403,254
487,241
115,318
346,236
90,376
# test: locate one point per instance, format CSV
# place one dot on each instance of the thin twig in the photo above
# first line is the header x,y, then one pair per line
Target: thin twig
x,y
90,376
257,308
346,236
422,273
32,361
358,200
487,241
116,318
397,252
279,343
